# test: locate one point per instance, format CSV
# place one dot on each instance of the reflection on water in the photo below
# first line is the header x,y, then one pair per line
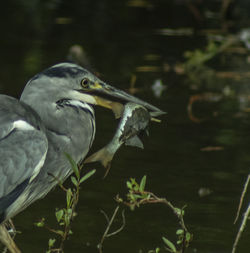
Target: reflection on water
x,y
118,39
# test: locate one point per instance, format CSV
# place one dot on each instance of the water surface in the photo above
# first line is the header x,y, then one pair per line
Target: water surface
x,y
118,39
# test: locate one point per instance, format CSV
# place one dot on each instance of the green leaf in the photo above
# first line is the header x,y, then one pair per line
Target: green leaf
x,y
188,236
89,174
68,197
133,181
60,232
129,185
40,223
59,215
74,181
137,196
143,183
73,165
69,211
68,216
67,220
157,250
180,232
178,211
169,244
179,242
51,242
132,197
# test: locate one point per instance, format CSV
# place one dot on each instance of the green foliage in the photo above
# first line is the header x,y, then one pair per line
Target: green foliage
x,y
74,166
65,216
137,196
136,192
51,243
143,183
59,215
195,66
170,246
40,223
85,177
157,250
196,58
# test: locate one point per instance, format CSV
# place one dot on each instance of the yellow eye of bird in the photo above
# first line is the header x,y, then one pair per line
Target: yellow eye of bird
x,y
85,83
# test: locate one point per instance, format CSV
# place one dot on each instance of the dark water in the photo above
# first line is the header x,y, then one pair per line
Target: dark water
x,y
118,39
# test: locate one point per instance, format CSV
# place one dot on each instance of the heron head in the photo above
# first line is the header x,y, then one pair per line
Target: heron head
x,y
70,81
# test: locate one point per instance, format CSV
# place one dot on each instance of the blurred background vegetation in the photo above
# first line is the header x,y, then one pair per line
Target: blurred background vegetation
x,y
189,57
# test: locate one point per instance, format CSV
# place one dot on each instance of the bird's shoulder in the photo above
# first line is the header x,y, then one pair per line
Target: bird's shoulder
x,y
23,144
15,112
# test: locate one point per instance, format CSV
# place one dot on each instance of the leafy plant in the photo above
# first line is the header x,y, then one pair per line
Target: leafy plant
x,y
65,216
137,196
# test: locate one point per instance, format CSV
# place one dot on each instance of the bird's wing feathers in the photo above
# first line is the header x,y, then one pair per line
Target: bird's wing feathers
x,y
23,145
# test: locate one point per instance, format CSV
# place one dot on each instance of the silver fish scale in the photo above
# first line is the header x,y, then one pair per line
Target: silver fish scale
x,y
135,119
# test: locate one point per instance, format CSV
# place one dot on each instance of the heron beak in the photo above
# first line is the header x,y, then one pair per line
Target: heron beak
x,y
114,99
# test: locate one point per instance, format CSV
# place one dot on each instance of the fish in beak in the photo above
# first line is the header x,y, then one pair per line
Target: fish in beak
x,y
134,121
112,98
135,115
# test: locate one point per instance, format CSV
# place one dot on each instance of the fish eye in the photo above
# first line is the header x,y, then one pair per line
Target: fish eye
x,y
85,83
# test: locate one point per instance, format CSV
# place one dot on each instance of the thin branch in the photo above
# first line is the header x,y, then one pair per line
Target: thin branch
x,y
53,230
105,215
177,213
56,250
110,222
242,197
11,230
109,225
122,226
242,227
145,197
245,216
153,200
58,181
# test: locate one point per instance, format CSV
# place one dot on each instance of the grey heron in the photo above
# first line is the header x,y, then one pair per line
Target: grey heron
x,y
54,116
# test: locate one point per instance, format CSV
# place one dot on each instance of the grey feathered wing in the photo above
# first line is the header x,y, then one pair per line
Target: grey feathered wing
x,y
23,148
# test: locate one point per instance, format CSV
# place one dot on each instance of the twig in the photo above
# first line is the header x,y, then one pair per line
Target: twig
x,y
242,226
153,199
11,230
58,181
56,250
242,197
65,216
106,232
121,228
245,216
105,215
145,197
73,207
175,211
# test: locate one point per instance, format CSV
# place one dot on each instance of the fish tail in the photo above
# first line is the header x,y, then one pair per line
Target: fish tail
x,y
103,156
